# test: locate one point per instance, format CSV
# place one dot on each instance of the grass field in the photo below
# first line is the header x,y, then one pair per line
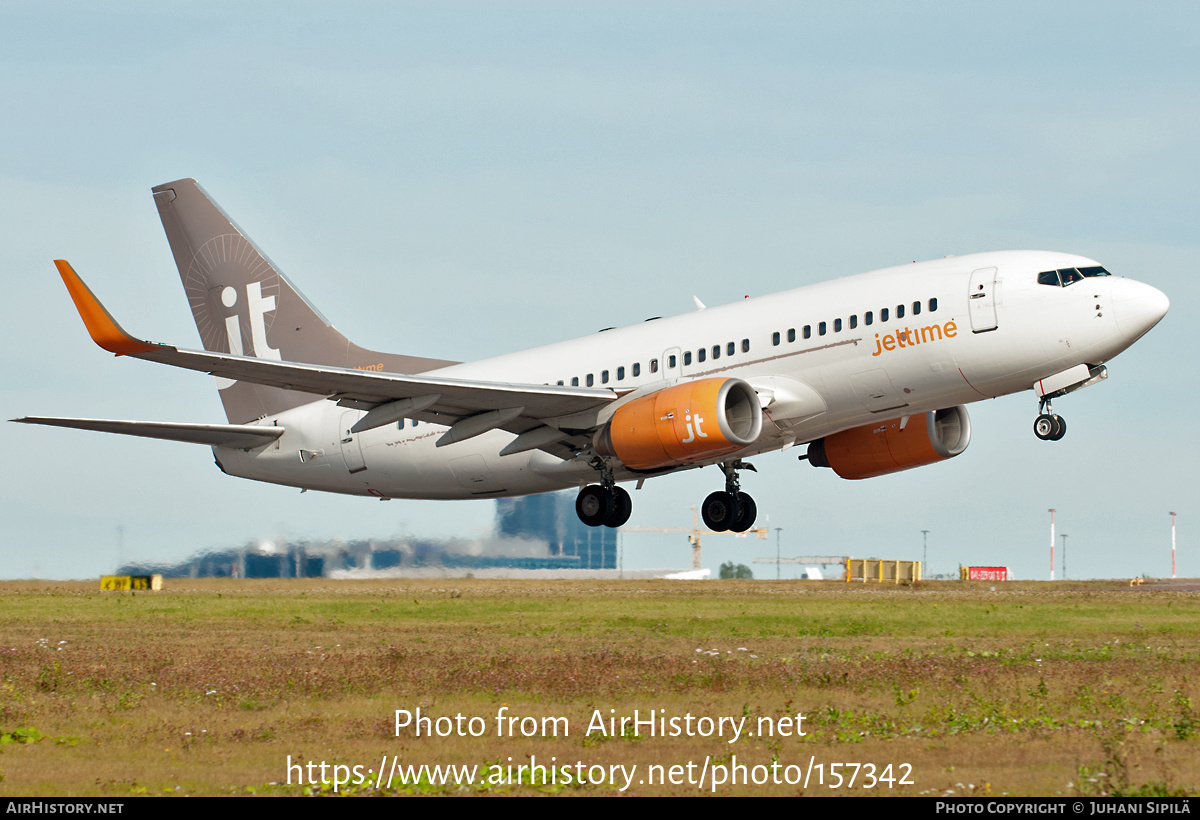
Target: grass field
x,y
214,687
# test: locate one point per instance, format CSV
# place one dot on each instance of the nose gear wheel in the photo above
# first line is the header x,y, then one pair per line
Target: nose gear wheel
x,y
1049,426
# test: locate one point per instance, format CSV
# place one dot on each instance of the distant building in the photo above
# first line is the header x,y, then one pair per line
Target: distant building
x,y
551,518
539,532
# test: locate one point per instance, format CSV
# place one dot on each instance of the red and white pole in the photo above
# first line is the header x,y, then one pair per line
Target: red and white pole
x,y
1051,545
1172,545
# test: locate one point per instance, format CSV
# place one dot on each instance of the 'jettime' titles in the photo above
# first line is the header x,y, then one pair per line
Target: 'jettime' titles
x,y
909,337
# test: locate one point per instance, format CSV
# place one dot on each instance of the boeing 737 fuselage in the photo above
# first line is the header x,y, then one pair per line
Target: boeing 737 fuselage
x,y
870,371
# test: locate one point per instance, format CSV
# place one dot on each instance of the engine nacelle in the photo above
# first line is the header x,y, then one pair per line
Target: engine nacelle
x,y
882,448
689,422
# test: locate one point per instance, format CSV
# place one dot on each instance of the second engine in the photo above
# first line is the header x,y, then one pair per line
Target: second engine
x,y
889,447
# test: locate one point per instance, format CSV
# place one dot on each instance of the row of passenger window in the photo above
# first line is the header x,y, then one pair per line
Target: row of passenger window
x,y
702,353
635,370
672,362
731,348
1069,276
868,319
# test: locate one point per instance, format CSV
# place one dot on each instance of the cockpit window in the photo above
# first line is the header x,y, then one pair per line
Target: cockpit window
x,y
1069,276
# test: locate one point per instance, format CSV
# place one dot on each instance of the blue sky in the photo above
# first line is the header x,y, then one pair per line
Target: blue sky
x,y
460,180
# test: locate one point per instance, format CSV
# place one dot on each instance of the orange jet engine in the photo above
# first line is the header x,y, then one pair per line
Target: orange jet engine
x,y
689,422
887,447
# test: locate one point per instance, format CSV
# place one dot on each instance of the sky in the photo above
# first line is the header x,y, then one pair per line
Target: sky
x,y
459,180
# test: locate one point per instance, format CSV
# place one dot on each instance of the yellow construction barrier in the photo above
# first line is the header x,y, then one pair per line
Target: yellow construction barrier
x,y
885,572
128,582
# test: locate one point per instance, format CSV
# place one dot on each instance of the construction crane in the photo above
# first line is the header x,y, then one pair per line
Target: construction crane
x,y
695,532
819,560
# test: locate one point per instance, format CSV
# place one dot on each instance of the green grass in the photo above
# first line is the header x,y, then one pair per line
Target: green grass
x,y
209,686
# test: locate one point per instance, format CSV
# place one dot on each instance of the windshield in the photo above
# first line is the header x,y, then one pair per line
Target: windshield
x,y
1069,276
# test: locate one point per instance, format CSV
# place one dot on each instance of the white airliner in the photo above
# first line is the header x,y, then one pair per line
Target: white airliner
x,y
870,371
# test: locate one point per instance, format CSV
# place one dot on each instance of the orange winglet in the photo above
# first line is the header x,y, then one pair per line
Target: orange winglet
x,y
99,322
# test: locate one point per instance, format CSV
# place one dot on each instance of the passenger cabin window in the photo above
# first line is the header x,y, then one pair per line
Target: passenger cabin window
x,y
637,369
808,331
745,345
899,311
883,314
821,329
791,334
603,377
775,338
700,355
671,362
837,325
730,349
687,357
654,365
853,321
916,308
620,374
590,380
574,381
869,317
933,305
716,352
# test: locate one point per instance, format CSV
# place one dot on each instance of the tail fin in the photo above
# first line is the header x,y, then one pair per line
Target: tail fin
x,y
244,305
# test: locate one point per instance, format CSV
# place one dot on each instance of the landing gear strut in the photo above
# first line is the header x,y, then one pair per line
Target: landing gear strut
x,y
604,503
1048,426
730,509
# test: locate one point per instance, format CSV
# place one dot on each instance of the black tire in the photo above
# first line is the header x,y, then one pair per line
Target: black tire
x,y
622,508
746,513
593,505
717,511
1044,427
1060,428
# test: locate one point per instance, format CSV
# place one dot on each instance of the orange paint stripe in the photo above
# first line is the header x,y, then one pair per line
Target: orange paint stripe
x,y
99,322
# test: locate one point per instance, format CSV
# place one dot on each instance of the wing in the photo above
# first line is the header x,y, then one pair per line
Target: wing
x,y
544,413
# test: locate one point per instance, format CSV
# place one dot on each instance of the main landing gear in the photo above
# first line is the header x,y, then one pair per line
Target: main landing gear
x,y
730,509
606,504
1048,426
597,505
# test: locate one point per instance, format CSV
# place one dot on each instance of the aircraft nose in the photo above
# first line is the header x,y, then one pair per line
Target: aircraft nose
x,y
1138,307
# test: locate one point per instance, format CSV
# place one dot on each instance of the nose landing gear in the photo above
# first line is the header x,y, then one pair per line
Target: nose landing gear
x,y
1048,426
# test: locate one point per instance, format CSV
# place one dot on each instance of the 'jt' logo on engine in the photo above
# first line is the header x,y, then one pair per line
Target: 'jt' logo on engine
x,y
692,436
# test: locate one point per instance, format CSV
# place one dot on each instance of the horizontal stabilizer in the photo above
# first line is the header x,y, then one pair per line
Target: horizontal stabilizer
x,y
246,436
